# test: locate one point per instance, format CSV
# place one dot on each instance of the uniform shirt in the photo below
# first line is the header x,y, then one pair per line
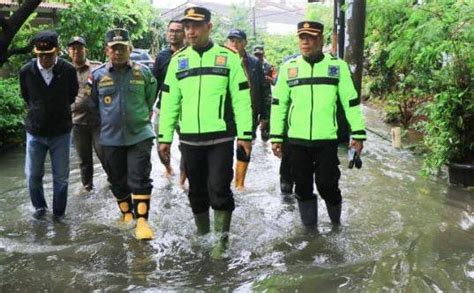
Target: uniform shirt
x,y
305,99
83,109
125,100
47,74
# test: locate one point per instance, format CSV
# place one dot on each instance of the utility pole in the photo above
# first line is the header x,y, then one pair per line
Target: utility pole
x,y
341,27
354,50
253,23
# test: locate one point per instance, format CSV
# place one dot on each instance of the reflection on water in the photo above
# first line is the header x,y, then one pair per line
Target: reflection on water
x,y
400,232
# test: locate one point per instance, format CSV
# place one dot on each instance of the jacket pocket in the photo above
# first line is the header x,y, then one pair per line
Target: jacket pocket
x,y
221,101
106,95
290,114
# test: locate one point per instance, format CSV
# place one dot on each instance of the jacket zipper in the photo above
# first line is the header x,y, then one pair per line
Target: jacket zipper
x,y
220,106
312,105
199,100
334,115
289,116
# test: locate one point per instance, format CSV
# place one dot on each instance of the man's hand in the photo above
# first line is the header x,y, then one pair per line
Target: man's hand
x,y
276,148
247,145
164,153
269,79
358,145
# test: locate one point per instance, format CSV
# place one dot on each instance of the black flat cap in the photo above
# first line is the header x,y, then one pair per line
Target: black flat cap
x,y
196,14
258,49
76,39
236,33
117,36
313,28
45,42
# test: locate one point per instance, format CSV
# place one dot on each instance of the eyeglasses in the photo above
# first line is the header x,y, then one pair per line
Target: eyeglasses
x,y
171,31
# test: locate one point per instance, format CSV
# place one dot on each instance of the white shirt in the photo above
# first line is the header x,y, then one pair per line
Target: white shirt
x,y
47,74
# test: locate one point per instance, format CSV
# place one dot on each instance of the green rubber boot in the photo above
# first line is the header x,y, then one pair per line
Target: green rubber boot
x,y
202,223
221,227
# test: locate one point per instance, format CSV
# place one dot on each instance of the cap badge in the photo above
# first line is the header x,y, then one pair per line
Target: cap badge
x,y
191,11
117,37
306,25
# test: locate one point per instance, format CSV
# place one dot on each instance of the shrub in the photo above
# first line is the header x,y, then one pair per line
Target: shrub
x,y
12,112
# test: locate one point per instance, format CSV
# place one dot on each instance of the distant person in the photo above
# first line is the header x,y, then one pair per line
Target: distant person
x,y
175,39
125,92
304,110
270,76
85,116
49,86
260,93
268,69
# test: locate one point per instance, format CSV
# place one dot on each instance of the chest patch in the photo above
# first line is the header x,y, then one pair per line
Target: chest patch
x,y
293,72
333,70
183,63
107,100
220,60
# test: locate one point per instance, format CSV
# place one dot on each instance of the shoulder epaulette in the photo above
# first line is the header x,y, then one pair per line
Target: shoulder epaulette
x,y
98,67
333,57
179,51
229,48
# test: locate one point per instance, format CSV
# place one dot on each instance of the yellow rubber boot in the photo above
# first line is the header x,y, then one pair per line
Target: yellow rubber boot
x,y
240,172
126,207
143,230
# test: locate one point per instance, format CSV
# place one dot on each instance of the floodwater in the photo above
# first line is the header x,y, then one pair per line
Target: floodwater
x,y
401,232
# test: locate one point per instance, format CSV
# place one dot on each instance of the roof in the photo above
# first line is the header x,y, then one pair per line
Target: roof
x,y
42,4
268,14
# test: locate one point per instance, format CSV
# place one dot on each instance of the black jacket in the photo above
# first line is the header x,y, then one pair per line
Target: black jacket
x,y
259,88
48,107
159,69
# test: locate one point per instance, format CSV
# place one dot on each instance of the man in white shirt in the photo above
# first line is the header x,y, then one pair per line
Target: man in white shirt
x,y
49,86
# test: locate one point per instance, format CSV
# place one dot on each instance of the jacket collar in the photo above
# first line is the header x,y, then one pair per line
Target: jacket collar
x,y
110,67
202,50
313,60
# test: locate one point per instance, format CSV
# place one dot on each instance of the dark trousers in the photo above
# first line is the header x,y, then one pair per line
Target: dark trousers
x,y
128,168
209,171
85,138
320,165
285,165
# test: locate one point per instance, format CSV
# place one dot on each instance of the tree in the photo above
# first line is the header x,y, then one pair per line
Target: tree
x,y
92,19
10,27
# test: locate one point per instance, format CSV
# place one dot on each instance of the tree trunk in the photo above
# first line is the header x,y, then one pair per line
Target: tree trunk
x,y
10,26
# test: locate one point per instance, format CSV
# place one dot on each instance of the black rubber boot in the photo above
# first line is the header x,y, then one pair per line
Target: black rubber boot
x,y
202,223
334,213
309,213
141,207
126,207
221,227
286,187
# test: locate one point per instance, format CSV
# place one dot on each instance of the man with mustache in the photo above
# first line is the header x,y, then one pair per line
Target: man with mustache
x,y
305,99
125,93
